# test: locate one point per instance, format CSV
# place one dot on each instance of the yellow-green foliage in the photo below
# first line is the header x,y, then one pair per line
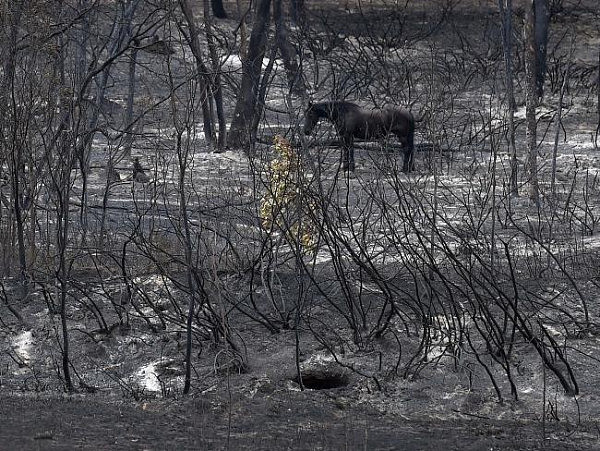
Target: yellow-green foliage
x,y
283,208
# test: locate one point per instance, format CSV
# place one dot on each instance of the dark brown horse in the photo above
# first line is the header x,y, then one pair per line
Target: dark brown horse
x,y
351,121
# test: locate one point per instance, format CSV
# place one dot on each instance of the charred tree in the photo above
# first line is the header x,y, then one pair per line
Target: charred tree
x,y
531,100
117,44
12,148
242,131
203,71
297,11
287,51
507,41
216,85
218,9
128,121
542,23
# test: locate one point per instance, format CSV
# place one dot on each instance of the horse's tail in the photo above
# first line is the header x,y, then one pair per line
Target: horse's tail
x,y
411,126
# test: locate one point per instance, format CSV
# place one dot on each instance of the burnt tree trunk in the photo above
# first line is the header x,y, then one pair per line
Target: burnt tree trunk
x,y
218,9
507,39
216,86
11,147
203,72
287,52
598,98
118,42
244,116
297,11
243,27
542,23
531,100
128,121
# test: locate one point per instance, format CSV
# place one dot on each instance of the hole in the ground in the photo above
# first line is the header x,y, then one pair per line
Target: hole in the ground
x,y
322,381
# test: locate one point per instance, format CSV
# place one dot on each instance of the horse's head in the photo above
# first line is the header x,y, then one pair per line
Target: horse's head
x,y
311,117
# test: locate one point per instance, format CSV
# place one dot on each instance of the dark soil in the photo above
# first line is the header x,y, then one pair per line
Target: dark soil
x,y
287,420
277,415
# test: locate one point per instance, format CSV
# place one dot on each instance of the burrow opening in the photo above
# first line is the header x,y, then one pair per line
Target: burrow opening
x,y
322,381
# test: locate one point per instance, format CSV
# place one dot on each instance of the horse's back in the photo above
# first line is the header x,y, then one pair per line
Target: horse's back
x,y
399,114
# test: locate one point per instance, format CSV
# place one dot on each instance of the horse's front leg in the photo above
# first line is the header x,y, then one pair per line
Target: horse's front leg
x,y
348,154
408,149
408,165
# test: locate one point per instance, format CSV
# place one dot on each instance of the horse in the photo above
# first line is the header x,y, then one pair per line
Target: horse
x,y
351,121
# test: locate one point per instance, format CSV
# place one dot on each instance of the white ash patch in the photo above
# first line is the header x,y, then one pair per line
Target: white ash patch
x,y
147,377
233,63
322,257
369,287
22,345
319,358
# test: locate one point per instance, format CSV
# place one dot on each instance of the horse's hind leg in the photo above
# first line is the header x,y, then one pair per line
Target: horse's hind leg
x,y
351,164
348,154
408,148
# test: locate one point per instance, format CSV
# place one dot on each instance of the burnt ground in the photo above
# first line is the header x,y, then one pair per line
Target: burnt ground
x,y
284,420
263,409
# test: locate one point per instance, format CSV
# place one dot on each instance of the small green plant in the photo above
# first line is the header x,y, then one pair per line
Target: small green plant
x,y
285,209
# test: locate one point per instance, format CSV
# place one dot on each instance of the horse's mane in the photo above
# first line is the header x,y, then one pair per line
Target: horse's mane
x,y
334,106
